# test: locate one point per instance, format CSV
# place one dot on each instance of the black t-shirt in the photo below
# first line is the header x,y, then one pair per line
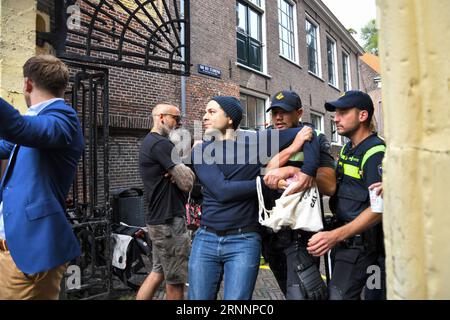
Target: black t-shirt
x,y
165,199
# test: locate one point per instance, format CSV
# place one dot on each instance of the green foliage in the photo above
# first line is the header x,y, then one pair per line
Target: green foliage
x,y
369,34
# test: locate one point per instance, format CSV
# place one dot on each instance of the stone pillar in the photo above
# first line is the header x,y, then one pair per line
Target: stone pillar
x,y
414,51
17,44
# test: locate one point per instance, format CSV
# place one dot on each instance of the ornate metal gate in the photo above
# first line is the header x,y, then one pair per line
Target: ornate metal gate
x,y
88,206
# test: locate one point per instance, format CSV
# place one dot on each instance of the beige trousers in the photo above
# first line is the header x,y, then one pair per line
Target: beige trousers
x,y
16,285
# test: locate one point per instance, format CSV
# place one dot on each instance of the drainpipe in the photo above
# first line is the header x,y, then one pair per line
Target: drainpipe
x,y
183,78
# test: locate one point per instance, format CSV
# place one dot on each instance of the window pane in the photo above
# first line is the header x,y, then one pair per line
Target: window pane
x,y
255,25
251,112
244,114
331,63
260,114
249,46
241,18
255,55
285,20
316,120
257,2
345,71
242,48
311,43
334,134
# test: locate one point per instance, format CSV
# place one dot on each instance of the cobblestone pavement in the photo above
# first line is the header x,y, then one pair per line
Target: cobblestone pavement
x,y
266,288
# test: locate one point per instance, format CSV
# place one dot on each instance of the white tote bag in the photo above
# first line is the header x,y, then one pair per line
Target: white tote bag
x,y
298,211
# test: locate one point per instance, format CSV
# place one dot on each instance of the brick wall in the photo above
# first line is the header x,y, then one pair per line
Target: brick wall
x,y
214,44
200,89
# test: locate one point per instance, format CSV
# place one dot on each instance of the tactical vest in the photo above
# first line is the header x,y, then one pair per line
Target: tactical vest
x,y
352,195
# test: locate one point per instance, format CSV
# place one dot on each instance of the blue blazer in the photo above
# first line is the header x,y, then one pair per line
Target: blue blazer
x,y
43,151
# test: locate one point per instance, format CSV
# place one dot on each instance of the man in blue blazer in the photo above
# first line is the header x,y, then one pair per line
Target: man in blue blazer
x,y
43,148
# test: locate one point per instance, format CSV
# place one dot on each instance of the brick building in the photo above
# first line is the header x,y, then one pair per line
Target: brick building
x,y
371,83
262,46
253,48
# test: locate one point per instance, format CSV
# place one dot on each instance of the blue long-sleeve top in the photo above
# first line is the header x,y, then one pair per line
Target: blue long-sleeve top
x,y
228,169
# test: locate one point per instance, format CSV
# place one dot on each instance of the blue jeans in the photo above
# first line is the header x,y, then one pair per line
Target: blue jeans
x,y
237,255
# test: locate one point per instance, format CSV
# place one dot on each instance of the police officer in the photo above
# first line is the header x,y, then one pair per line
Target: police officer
x,y
356,242
295,270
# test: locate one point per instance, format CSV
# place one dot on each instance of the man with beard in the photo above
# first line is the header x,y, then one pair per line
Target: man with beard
x,y
356,243
166,182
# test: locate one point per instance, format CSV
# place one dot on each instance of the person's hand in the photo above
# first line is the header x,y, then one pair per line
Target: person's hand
x,y
169,176
282,184
305,134
272,178
379,188
304,182
322,242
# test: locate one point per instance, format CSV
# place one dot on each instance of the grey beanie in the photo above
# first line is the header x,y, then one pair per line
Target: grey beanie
x,y
232,107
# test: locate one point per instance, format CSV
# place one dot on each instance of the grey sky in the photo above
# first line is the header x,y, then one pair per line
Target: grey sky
x,y
353,13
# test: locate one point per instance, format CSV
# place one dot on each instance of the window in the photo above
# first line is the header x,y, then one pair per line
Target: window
x,y
287,29
346,71
317,121
335,137
312,47
249,34
331,59
254,116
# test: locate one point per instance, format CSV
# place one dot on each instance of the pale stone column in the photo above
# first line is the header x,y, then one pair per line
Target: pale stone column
x,y
414,50
17,44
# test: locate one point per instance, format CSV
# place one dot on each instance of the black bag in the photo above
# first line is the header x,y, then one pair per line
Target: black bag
x,y
138,247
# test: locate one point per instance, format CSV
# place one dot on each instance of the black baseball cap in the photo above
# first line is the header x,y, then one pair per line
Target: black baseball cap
x,y
287,100
352,99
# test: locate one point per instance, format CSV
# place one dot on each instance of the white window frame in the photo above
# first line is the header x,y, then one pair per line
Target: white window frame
x,y
344,53
254,94
295,31
321,129
262,10
335,67
338,141
319,53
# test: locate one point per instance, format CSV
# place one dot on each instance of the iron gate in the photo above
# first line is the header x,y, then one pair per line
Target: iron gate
x,y
88,207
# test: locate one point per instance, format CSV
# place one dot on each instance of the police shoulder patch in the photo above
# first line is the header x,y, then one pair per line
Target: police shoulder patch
x,y
380,170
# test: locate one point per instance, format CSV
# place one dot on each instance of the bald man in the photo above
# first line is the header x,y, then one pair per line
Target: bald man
x,y
166,182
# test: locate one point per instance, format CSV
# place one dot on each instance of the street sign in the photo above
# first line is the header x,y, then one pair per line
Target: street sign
x,y
216,73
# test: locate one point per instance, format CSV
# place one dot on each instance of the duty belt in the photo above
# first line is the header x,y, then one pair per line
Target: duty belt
x,y
356,241
366,240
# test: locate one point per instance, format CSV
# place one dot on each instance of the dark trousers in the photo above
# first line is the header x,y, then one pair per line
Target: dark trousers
x,y
283,267
350,271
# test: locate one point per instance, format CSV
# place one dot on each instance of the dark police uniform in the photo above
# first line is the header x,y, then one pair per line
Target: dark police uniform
x,y
357,169
286,249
